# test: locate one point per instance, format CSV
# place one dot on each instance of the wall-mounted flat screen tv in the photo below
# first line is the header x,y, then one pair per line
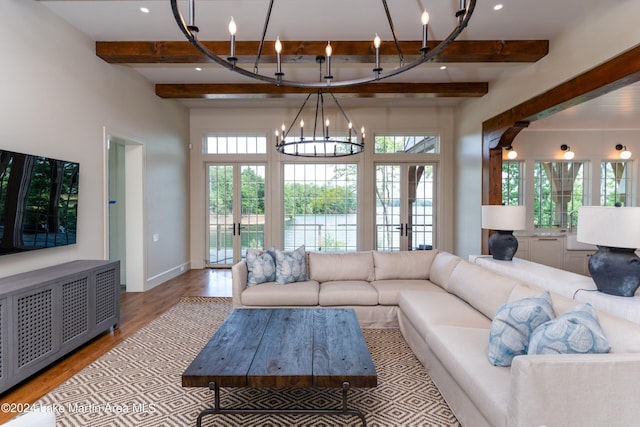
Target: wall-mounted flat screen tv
x,y
38,202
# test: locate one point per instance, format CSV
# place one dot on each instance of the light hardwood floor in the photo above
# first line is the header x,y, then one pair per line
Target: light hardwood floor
x,y
136,310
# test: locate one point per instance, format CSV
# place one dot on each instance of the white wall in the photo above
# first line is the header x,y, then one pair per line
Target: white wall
x,y
57,100
602,34
264,122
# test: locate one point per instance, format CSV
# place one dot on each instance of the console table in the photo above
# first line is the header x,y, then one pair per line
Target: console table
x,y
46,313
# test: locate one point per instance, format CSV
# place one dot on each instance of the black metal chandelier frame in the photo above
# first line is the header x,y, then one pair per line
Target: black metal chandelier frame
x,y
191,31
322,145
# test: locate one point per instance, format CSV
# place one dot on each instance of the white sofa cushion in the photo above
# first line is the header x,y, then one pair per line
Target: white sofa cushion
x,y
426,309
272,294
388,290
403,265
442,267
463,352
325,267
347,292
484,289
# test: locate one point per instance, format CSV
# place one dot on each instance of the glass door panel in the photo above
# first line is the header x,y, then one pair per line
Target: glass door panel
x,y
404,207
236,213
252,212
220,215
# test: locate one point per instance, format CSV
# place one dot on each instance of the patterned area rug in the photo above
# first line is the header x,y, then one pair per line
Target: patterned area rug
x,y
138,383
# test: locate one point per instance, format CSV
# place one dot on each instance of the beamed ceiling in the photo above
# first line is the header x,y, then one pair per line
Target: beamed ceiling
x,y
512,39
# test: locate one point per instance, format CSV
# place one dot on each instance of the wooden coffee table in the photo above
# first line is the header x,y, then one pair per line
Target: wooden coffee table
x,y
284,347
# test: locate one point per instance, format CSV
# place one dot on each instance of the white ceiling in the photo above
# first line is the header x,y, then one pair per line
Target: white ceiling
x,y
121,20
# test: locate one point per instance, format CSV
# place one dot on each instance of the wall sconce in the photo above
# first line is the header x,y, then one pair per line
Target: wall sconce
x,y
511,153
568,154
624,153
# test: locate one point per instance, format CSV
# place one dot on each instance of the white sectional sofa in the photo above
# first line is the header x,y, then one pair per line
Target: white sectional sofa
x,y
444,308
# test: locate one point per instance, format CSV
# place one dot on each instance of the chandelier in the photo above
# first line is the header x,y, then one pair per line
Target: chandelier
x,y
230,61
319,144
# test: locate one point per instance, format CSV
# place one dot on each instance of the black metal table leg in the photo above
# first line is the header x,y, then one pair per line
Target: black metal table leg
x,y
217,409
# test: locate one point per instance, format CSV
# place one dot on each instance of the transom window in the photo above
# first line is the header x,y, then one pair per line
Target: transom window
x,y
407,144
242,144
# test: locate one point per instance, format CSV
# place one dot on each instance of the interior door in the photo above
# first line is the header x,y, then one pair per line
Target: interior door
x,y
236,213
405,206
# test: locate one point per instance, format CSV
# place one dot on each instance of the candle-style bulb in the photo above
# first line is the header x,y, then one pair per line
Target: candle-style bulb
x,y
278,47
328,50
232,27
425,18
326,123
377,41
301,123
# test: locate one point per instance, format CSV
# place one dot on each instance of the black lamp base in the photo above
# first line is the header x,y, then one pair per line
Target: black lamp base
x,y
616,271
503,245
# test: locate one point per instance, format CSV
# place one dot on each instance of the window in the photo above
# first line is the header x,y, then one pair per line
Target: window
x,y
615,179
558,193
320,206
235,144
407,144
511,183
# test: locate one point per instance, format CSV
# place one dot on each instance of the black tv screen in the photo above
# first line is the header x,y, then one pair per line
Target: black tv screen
x,y
38,202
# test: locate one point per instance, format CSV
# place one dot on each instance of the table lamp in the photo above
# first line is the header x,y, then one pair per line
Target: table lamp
x,y
503,220
615,267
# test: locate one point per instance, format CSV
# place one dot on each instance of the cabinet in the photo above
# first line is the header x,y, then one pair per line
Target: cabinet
x,y
46,313
547,250
577,261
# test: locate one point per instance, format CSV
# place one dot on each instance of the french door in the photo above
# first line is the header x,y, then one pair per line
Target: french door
x,y
405,206
236,211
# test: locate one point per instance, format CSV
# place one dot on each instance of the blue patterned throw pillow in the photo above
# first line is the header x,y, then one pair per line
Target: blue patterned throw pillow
x,y
291,266
261,266
575,331
513,324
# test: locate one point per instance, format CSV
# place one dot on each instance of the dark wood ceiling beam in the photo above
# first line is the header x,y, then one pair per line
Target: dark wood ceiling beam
x,y
182,52
219,90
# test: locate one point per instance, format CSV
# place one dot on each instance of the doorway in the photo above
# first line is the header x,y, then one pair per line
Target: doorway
x,y
125,231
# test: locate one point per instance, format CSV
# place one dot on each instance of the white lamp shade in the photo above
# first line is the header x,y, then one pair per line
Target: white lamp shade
x,y
507,218
609,226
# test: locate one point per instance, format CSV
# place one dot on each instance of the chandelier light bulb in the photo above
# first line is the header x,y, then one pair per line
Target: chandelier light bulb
x,y
425,25
328,50
232,27
376,44
278,47
425,18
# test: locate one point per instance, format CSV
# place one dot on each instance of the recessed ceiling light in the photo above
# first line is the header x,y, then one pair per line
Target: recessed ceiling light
x,y
144,10
443,67
198,69
498,7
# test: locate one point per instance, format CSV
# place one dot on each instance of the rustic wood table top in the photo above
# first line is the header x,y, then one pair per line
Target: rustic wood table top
x,y
285,347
